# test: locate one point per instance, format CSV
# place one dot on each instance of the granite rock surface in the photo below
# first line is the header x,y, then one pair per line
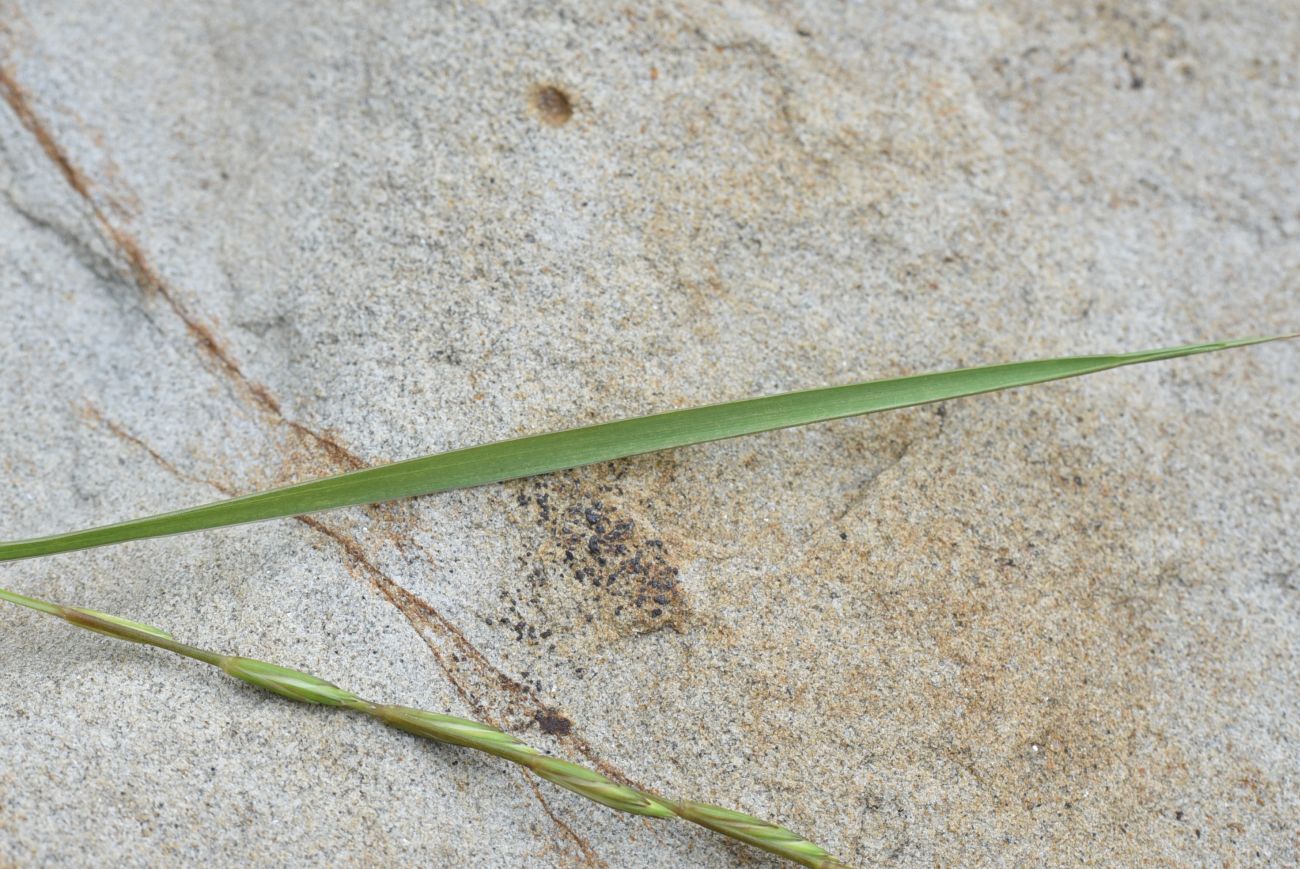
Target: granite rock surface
x,y
249,243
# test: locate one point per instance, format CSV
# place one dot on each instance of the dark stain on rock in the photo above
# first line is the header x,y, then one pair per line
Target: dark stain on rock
x,y
553,723
598,572
552,105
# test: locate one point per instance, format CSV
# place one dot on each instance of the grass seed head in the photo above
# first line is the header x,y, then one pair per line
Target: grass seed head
x,y
294,684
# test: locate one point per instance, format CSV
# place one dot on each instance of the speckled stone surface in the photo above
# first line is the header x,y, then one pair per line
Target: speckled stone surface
x,y
247,243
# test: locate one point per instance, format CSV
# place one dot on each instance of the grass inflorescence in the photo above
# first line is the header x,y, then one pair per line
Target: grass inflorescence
x,y
306,688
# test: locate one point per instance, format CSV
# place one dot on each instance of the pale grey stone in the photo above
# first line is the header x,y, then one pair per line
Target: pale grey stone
x,y
247,243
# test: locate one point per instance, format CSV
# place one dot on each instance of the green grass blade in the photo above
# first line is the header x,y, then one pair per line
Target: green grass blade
x,y
537,454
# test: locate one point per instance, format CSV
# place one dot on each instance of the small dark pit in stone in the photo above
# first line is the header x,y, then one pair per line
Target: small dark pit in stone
x,y
553,105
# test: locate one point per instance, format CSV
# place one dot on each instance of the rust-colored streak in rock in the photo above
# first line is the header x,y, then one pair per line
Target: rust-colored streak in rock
x,y
91,413
589,855
20,103
149,279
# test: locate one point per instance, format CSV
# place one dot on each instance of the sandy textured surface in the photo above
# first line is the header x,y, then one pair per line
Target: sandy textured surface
x,y
247,243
